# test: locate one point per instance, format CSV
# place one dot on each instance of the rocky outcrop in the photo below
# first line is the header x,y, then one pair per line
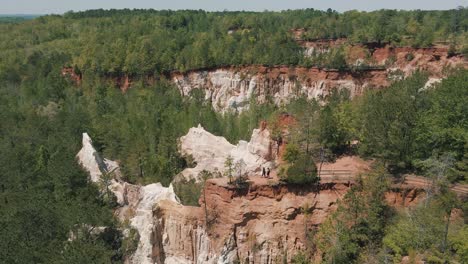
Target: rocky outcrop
x,y
210,152
181,235
96,166
263,222
231,88
135,202
373,65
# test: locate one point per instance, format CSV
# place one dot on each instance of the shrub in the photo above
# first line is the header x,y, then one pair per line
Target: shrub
x,y
291,153
409,57
301,171
130,242
188,191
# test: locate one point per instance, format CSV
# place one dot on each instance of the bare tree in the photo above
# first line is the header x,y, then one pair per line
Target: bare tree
x,y
205,175
240,168
436,169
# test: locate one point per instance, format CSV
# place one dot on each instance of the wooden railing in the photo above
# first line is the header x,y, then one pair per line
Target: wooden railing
x,y
333,175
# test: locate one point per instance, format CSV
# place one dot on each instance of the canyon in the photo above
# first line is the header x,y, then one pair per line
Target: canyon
x,y
264,221
231,88
142,135
210,152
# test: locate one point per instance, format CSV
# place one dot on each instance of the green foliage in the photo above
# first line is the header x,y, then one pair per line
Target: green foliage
x,y
423,229
188,191
85,249
44,193
229,166
130,242
388,121
300,258
99,41
406,124
359,222
301,171
241,174
337,60
459,243
442,126
291,153
335,129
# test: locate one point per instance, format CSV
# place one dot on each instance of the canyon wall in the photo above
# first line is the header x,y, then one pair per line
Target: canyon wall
x,y
263,222
135,202
209,152
231,88
257,224
371,66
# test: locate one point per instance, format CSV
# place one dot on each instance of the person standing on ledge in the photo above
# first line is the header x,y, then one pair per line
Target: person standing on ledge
x,y
263,172
268,173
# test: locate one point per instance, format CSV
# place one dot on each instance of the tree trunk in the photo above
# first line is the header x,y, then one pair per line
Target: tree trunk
x,y
444,246
204,199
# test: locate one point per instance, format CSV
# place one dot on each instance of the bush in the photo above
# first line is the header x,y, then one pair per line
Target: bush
x,y
130,242
409,57
241,182
301,171
291,153
464,51
188,191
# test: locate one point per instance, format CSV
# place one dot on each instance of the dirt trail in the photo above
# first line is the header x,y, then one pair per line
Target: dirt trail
x,y
346,168
414,181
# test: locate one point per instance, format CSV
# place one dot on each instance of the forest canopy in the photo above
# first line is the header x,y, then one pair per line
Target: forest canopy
x,y
148,42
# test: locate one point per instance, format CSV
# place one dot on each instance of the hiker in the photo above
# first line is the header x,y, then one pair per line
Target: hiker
x,y
263,172
268,173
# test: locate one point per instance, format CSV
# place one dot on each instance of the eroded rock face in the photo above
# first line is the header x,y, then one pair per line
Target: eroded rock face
x,y
231,88
182,236
150,195
210,152
136,202
90,159
262,224
265,222
259,224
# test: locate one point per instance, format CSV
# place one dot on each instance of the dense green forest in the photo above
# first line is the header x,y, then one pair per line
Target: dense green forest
x,y
44,194
149,42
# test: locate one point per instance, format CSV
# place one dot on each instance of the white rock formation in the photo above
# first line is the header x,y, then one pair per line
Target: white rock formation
x,y
209,152
178,236
133,198
143,221
431,82
232,90
90,159
228,89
